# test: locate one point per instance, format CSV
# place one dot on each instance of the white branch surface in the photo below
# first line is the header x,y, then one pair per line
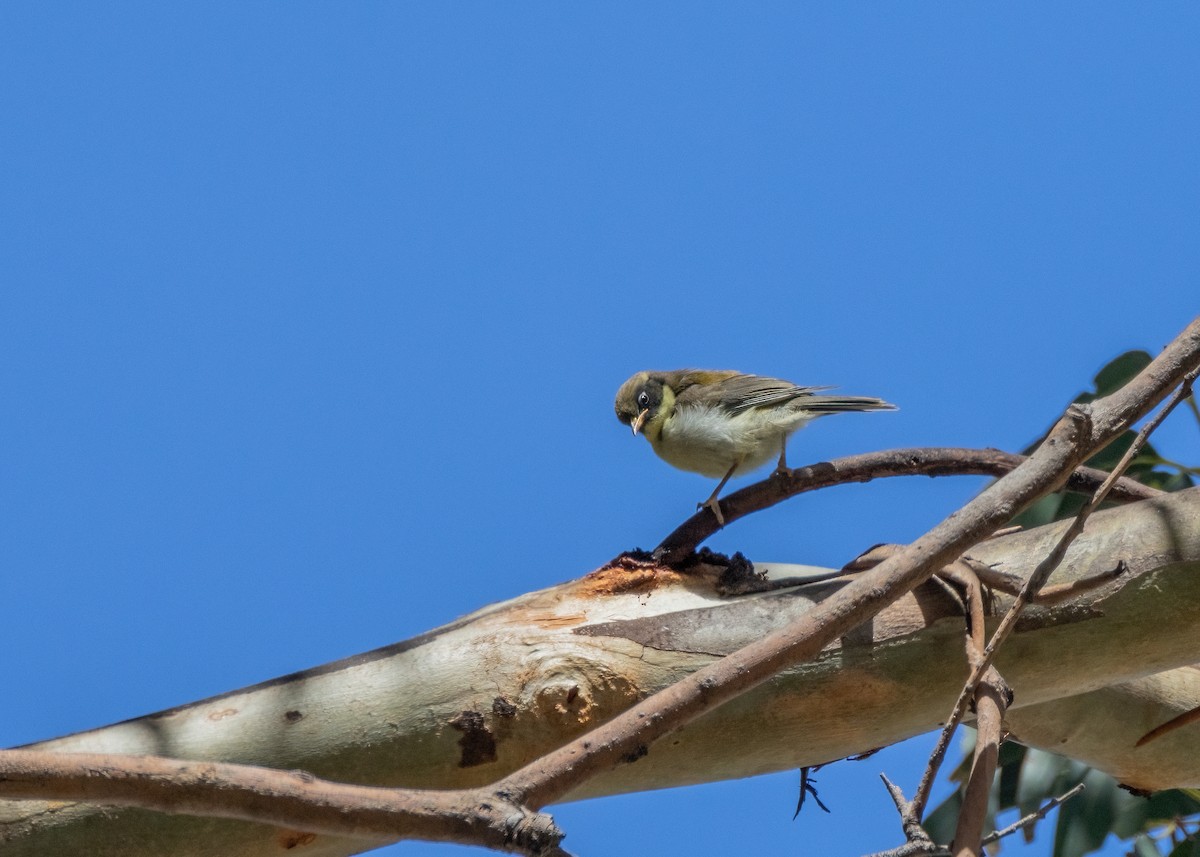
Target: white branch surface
x,y
464,704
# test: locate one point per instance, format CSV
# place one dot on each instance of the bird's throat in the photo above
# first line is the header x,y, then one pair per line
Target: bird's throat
x,y
653,427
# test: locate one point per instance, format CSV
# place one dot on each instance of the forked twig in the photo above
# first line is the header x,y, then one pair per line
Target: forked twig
x,y
1033,585
919,842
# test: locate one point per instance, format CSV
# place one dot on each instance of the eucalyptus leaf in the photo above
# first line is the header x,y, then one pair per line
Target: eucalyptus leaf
x,y
1120,371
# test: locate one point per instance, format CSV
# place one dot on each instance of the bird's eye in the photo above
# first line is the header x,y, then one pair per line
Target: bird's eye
x,y
643,399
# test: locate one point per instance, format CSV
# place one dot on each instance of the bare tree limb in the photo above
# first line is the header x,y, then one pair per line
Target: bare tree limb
x,y
990,703
1035,582
286,799
865,467
914,833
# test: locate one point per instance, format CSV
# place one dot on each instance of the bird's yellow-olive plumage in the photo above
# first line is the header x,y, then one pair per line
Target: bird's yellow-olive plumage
x,y
722,423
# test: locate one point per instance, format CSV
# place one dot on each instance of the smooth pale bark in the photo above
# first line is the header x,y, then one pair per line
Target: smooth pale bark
x,y
1101,728
469,702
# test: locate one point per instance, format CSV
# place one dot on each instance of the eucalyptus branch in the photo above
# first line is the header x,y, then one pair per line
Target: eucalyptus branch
x,y
1036,580
913,461
991,700
288,799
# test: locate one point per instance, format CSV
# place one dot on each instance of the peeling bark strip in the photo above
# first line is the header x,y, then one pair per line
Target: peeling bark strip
x,y
477,742
729,625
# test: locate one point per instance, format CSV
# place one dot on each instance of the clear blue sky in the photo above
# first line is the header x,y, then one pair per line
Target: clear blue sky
x,y
313,313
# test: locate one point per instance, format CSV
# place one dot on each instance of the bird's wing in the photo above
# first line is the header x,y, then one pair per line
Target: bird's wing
x,y
735,392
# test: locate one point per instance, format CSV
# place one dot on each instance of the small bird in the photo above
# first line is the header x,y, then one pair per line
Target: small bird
x,y
721,423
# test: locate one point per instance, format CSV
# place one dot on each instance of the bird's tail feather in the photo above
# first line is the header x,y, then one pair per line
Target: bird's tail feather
x,y
838,404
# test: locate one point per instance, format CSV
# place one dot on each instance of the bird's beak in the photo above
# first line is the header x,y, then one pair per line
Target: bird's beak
x,y
639,420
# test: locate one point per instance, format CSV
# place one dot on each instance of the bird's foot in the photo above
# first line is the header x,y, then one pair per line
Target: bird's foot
x,y
715,505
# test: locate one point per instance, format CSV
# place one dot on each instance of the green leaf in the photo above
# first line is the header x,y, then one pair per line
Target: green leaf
x,y
1120,371
1008,770
1043,776
1139,814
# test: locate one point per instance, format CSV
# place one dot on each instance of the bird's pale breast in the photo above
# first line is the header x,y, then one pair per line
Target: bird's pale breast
x,y
709,441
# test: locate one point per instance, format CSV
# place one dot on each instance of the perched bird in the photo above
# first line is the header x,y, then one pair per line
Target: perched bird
x,y
722,423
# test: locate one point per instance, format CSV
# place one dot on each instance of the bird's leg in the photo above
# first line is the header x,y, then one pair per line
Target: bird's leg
x,y
712,503
782,467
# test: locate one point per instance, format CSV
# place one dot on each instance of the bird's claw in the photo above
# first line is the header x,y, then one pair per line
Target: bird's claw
x,y
713,504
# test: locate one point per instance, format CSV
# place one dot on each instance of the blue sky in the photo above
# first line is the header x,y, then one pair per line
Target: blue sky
x,y
313,313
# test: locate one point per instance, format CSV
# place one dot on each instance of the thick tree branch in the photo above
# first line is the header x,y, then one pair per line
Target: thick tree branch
x,y
1101,728
286,799
990,703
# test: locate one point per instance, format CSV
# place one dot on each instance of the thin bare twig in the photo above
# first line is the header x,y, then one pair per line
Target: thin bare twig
x,y
924,845
917,461
913,831
1035,816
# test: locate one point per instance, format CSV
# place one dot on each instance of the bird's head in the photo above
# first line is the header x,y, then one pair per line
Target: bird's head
x,y
644,402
